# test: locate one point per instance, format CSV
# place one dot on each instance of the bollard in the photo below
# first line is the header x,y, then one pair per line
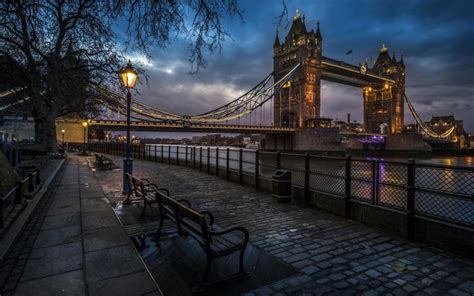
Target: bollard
x,y
278,159
169,154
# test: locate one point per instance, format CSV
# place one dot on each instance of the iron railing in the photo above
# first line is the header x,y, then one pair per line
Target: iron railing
x,y
443,193
17,194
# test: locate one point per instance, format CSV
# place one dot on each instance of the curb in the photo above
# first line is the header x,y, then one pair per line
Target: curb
x,y
11,236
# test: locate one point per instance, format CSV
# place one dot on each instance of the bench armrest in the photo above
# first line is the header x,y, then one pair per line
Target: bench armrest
x,y
185,202
164,190
211,217
150,187
232,229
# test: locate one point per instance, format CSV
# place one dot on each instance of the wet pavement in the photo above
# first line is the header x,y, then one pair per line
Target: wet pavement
x,y
333,256
75,245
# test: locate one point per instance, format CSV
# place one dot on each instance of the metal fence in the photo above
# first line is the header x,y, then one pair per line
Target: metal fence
x,y
444,193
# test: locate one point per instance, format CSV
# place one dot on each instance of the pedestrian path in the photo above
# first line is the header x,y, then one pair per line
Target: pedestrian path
x,y
78,246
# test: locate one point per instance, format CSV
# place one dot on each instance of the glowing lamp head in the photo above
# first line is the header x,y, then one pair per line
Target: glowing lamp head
x,y
63,131
84,124
386,86
128,76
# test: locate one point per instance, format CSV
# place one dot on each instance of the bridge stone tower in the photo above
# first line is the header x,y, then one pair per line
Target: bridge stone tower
x,y
298,103
384,104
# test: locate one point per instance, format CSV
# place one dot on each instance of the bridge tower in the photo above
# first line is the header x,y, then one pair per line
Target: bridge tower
x,y
384,104
298,103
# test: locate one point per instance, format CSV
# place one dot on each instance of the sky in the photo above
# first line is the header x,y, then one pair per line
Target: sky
x,y
436,39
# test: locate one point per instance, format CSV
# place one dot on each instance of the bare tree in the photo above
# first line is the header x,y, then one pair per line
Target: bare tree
x,y
60,49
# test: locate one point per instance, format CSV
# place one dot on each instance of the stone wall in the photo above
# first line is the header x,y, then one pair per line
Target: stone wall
x,y
317,139
406,142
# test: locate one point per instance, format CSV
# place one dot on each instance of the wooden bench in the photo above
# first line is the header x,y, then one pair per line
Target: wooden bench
x,y
103,162
143,189
199,226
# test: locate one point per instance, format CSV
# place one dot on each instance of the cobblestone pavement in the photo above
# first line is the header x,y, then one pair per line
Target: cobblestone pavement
x,y
335,256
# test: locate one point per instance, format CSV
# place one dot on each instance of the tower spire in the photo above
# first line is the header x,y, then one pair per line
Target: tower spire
x,y
318,33
277,40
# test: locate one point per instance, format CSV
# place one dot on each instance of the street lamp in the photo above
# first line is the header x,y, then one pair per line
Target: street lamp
x,y
84,124
128,77
63,132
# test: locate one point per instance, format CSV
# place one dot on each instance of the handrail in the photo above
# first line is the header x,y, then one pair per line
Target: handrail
x,y
16,193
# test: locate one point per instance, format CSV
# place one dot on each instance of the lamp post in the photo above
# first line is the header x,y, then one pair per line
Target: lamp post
x,y
63,132
128,77
84,124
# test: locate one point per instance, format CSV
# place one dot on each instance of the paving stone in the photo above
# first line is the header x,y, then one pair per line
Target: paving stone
x,y
110,263
58,236
310,269
64,220
103,238
53,260
138,283
69,283
372,273
468,286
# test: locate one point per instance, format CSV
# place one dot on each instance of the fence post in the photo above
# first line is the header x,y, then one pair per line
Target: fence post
x,y
186,155
38,178
411,200
31,186
1,213
200,158
257,168
177,154
169,154
155,151
208,160
375,181
278,160
162,156
307,160
217,161
240,165
18,195
194,156
227,171
347,197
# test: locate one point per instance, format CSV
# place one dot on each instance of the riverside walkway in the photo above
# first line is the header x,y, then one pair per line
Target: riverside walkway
x,y
332,255
73,244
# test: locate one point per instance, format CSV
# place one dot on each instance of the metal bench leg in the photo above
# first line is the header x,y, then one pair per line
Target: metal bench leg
x,y
127,200
202,286
160,227
242,271
144,208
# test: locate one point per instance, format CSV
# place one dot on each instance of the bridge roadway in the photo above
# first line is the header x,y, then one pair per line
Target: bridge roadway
x,y
154,126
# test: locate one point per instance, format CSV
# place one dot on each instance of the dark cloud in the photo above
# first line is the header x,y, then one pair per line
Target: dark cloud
x,y
435,37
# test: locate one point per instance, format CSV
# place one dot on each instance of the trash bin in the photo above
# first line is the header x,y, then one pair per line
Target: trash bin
x,y
281,183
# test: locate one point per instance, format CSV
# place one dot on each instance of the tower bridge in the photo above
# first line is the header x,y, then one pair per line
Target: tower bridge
x,y
289,97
